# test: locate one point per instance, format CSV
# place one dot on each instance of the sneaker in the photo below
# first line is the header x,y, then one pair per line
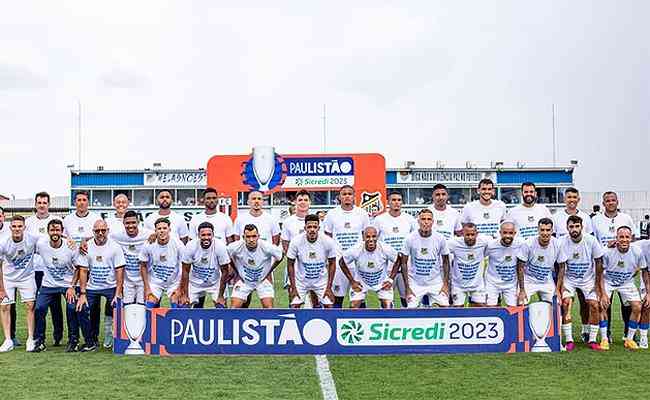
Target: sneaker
x,y
30,345
631,345
88,347
7,345
40,347
108,342
72,347
594,346
604,344
643,342
585,338
57,343
570,346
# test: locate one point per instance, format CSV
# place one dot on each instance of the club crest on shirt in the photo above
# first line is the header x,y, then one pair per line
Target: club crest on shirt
x,y
508,258
41,229
620,264
470,257
612,228
80,228
540,258
55,261
204,260
576,255
439,222
99,258
424,251
20,253
531,218
163,258
131,247
396,229
371,264
312,254
486,215
347,225
251,262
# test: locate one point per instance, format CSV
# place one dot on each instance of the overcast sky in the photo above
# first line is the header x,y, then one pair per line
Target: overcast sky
x,y
178,82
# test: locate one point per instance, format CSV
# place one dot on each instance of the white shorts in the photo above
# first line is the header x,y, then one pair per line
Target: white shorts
x,y
133,292
545,290
195,292
588,289
628,292
242,289
458,296
319,290
26,288
361,295
433,291
493,292
341,284
158,291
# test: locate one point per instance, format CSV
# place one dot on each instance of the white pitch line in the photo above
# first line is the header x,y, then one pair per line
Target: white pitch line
x,y
325,378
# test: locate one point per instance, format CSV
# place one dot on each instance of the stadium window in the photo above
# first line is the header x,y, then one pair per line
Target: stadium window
x,y
458,195
547,195
320,198
283,198
101,198
143,197
334,197
510,195
186,197
419,196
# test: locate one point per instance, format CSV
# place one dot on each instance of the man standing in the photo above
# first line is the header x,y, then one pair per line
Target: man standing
x,y
467,267
392,227
644,227
267,225
486,213
78,225
311,264
376,266
36,226
254,261
114,221
529,213
571,201
501,273
102,274
221,223
345,223
446,220
177,226
428,272
17,276
584,270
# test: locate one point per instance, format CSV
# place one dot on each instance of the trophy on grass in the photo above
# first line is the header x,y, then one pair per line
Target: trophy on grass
x,y
539,320
263,165
134,321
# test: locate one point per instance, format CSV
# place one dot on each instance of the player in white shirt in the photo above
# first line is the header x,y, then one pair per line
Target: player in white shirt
x,y
467,267
584,270
344,224
178,227
17,276
5,230
267,225
501,272
446,220
605,225
392,227
527,214
114,220
571,201
205,267
160,267
223,228
78,225
428,272
311,262
621,264
536,263
376,265
254,260
486,212
101,274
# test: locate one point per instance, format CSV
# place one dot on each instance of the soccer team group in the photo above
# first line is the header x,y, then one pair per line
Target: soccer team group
x,y
485,255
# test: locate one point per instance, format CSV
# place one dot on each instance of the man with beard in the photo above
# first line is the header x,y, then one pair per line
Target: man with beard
x,y
221,223
584,270
466,267
527,215
446,220
486,213
501,273
177,225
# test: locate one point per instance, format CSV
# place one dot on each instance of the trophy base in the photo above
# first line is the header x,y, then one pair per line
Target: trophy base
x,y
134,351
540,348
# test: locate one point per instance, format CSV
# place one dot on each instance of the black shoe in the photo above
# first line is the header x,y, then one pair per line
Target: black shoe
x,y
585,338
57,343
40,347
88,347
72,347
17,342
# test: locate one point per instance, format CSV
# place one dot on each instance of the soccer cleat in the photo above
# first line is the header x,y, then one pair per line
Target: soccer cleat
x,y
594,346
108,342
72,347
30,345
88,347
40,347
631,345
643,343
7,345
57,343
585,337
604,344
570,346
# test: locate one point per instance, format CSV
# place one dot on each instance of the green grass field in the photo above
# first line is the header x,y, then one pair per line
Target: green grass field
x,y
577,375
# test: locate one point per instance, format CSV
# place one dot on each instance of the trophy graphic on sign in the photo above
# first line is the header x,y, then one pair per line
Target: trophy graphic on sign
x,y
134,321
539,320
263,165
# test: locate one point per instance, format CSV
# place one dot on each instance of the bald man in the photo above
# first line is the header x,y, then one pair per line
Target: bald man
x,y
101,274
121,205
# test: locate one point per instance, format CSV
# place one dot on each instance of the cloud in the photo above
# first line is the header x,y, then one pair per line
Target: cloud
x,y
121,78
18,77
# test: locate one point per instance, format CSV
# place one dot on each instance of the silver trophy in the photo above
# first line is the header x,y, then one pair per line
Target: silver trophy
x,y
539,320
135,322
263,165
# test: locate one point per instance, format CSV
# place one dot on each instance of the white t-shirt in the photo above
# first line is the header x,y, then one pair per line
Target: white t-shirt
x,y
346,227
393,230
222,224
560,219
163,262
177,225
486,218
292,226
80,228
311,258
37,227
540,261
371,268
425,257
446,222
60,263
102,262
5,231
466,265
620,268
580,267
18,258
502,263
266,224
253,266
526,218
205,264
605,228
131,248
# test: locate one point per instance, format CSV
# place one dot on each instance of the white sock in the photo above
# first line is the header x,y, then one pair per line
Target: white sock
x,y
630,333
567,330
603,332
593,333
643,333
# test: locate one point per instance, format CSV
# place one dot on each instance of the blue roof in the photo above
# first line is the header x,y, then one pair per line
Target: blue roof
x,y
107,179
